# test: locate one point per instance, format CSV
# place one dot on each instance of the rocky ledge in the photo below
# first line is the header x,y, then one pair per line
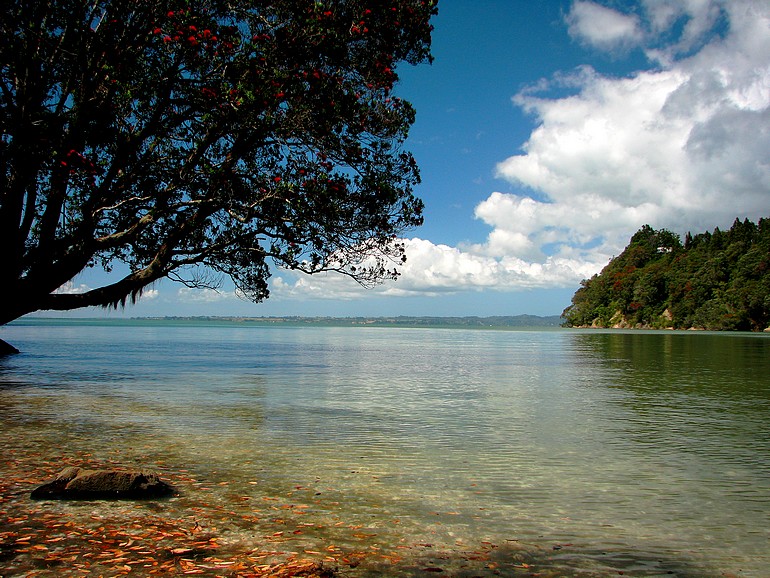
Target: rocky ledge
x,y
82,484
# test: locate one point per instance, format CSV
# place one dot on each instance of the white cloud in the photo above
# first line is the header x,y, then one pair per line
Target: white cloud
x,y
697,20
603,27
665,29
190,295
296,285
439,267
70,287
685,146
150,294
434,269
604,158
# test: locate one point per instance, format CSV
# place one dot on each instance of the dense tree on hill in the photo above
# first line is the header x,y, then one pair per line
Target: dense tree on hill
x,y
718,280
202,135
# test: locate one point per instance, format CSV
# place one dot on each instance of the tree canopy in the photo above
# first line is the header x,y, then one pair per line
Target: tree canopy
x,y
190,137
717,281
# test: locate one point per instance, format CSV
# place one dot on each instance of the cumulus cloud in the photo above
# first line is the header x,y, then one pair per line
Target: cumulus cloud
x,y
663,28
436,269
683,146
443,268
603,27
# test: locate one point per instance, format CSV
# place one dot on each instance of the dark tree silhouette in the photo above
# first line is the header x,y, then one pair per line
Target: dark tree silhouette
x,y
183,136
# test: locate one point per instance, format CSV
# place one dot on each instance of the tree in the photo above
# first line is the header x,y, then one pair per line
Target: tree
x,y
718,281
193,136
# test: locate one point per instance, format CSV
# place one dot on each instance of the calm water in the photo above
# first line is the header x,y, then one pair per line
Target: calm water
x,y
600,452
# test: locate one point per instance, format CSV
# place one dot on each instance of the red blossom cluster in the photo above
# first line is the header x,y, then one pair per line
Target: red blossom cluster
x,y
75,162
225,99
386,75
180,30
361,26
209,92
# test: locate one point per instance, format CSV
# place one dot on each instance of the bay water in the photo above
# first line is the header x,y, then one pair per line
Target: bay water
x,y
466,451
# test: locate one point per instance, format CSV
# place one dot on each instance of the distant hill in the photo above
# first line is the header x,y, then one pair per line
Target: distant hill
x,y
714,281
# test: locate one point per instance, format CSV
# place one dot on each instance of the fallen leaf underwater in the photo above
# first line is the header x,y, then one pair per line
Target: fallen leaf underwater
x,y
149,538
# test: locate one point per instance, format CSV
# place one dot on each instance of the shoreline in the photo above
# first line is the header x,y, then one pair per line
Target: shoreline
x,y
644,328
467,322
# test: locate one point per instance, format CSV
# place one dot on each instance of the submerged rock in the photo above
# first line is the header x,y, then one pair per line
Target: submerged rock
x,y
81,484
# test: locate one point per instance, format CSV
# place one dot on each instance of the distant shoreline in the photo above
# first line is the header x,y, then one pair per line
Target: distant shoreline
x,y
471,322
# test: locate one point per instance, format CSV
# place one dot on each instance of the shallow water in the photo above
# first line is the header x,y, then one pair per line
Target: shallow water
x,y
572,452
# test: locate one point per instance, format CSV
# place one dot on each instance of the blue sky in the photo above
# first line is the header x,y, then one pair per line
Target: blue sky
x,y
548,132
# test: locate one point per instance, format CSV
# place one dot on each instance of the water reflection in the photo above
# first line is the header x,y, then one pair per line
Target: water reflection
x,y
696,426
715,362
718,383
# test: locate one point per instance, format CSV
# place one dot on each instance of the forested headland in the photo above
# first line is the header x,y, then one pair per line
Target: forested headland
x,y
716,280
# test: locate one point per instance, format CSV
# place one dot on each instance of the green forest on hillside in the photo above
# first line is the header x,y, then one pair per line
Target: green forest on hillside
x,y
714,281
